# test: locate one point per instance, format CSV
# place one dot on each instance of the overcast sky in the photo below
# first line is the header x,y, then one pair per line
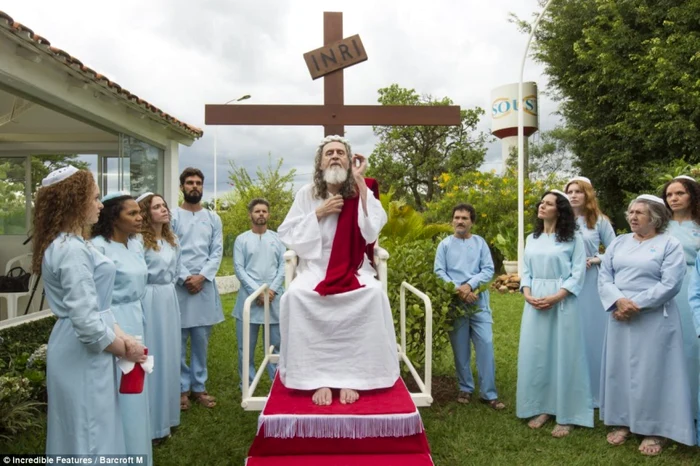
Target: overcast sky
x,y
182,54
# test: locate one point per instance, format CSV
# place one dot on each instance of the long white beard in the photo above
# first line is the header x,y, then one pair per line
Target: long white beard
x,y
335,175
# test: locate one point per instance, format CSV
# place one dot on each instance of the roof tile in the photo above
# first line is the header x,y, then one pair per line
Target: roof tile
x,y
26,34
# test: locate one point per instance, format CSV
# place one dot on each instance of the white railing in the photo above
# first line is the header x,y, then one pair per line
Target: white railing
x,y
250,402
424,398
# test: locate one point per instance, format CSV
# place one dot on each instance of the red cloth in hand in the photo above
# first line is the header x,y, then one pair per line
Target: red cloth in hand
x,y
132,383
348,250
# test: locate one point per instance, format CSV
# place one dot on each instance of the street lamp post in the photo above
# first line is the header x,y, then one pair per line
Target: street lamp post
x,y
521,147
216,140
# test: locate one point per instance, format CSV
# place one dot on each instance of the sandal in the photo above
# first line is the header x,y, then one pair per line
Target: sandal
x,y
494,404
539,421
562,430
185,401
652,443
464,397
618,436
204,399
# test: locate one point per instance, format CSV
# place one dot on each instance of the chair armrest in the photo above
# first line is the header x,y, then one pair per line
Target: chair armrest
x,y
381,257
290,267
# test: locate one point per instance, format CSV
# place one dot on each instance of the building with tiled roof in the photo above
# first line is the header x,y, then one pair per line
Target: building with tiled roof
x,y
51,104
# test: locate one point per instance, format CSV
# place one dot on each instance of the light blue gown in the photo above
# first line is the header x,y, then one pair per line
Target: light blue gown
x,y
553,375
644,383
461,261
688,233
694,301
258,259
593,317
83,413
129,289
201,241
162,311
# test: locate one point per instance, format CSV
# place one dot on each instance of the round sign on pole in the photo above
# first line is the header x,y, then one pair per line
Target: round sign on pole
x,y
505,108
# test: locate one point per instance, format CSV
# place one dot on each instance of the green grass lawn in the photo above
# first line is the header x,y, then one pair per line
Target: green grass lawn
x,y
458,434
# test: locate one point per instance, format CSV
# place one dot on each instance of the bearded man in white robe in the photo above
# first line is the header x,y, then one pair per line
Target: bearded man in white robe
x,y
336,327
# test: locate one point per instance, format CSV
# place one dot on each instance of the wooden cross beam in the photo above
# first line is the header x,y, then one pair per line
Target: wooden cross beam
x,y
333,115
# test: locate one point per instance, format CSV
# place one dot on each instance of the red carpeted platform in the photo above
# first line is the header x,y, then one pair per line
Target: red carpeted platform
x,y
343,460
382,427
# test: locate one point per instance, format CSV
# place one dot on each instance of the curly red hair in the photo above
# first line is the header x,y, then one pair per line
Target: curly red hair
x,y
58,208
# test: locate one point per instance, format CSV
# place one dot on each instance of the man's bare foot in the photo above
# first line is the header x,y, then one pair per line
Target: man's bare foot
x,y
322,396
348,396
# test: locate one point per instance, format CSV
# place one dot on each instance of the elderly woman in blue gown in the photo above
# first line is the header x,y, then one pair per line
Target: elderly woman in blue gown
x,y
553,377
114,235
162,312
644,385
83,414
682,196
596,230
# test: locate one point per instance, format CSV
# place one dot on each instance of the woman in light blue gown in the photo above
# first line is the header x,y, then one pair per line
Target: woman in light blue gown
x,y
113,235
682,196
595,230
83,414
553,375
644,386
162,312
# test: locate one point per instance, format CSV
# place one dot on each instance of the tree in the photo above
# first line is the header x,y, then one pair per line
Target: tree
x,y
628,78
270,184
410,158
549,155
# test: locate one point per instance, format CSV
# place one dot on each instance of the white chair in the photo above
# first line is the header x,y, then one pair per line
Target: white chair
x,y
381,256
12,299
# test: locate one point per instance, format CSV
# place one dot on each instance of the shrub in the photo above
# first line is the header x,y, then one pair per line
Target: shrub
x,y
412,262
23,354
495,199
18,412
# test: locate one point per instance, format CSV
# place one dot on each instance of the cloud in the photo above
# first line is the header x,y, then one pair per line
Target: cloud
x,y
181,55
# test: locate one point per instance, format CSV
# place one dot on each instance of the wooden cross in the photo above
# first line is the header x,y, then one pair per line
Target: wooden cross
x,y
333,114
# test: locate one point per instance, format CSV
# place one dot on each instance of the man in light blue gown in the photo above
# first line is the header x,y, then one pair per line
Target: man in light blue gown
x,y
201,240
258,258
465,260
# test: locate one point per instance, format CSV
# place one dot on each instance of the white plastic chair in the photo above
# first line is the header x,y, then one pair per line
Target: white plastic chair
x,y
381,256
12,299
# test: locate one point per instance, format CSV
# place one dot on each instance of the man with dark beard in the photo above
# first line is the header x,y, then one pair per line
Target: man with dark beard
x,y
200,234
335,321
258,257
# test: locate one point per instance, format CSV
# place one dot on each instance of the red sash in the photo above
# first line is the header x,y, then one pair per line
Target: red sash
x,y
348,250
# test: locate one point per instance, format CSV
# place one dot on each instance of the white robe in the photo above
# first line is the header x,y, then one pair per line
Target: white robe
x,y
339,341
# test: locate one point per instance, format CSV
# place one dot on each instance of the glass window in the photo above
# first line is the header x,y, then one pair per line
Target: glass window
x,y
13,213
141,166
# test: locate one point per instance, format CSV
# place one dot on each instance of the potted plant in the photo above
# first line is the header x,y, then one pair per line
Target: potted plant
x,y
507,243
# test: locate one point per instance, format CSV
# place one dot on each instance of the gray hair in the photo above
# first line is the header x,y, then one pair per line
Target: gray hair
x,y
658,213
320,185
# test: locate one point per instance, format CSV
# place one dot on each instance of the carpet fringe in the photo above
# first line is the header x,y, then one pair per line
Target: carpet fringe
x,y
340,426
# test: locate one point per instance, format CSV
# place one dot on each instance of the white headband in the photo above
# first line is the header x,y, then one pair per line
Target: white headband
x,y
579,178
59,175
143,196
115,195
560,192
652,198
685,177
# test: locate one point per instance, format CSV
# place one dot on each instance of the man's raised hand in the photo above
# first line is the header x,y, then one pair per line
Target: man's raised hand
x,y
359,166
332,205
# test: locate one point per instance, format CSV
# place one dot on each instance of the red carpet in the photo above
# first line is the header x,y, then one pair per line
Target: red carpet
x,y
343,460
383,427
387,412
